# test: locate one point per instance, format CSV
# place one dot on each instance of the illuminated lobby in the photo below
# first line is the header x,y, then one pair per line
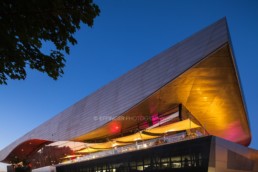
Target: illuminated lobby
x,y
182,110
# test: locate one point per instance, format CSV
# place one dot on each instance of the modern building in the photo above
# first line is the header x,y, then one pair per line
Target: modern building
x,y
183,110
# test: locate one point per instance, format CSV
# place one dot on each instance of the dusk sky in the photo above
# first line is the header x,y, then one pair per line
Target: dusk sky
x,y
126,34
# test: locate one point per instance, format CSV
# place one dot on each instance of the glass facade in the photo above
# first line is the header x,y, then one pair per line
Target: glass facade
x,y
191,155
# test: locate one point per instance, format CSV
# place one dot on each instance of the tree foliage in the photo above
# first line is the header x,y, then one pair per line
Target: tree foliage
x,y
25,24
49,155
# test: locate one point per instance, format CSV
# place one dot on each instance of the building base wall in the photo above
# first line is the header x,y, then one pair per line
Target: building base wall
x,y
231,157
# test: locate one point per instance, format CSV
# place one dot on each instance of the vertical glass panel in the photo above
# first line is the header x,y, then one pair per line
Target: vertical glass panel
x,y
176,164
133,163
140,168
139,163
165,160
186,161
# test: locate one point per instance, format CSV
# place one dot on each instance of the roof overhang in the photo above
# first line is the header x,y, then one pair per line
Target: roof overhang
x,y
210,90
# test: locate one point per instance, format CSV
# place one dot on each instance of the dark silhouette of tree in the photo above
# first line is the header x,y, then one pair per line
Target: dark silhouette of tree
x,y
49,155
25,24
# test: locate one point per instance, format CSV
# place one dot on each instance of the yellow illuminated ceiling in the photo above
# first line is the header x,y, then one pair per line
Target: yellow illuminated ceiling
x,y
141,135
209,90
174,127
178,126
89,150
134,137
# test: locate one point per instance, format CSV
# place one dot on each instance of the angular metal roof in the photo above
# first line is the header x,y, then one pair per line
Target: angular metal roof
x,y
198,72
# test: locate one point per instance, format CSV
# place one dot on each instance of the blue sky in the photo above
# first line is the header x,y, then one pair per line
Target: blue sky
x,y
126,34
